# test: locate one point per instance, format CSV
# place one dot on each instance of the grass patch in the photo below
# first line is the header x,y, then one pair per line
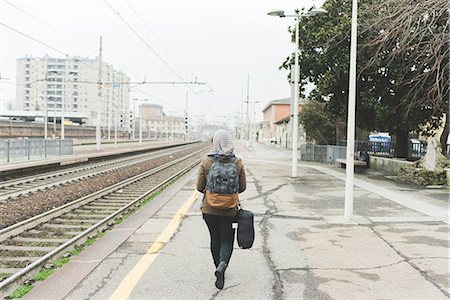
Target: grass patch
x,y
61,262
21,291
42,275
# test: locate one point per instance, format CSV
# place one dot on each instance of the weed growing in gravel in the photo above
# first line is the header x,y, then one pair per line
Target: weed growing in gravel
x,y
42,275
61,262
21,291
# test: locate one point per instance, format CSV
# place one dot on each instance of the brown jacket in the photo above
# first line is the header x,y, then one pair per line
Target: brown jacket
x,y
201,186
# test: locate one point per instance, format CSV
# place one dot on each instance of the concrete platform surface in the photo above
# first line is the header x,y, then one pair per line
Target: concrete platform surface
x,y
395,247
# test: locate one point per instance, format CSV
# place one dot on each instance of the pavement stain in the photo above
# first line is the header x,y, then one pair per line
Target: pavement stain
x,y
445,229
293,235
368,276
426,240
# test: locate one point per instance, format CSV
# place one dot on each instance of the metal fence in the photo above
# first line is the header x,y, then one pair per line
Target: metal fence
x,y
322,153
13,150
329,154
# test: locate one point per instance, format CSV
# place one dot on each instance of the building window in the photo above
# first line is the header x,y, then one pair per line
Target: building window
x,y
27,65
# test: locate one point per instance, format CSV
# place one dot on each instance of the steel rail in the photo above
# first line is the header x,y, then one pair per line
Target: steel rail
x,y
7,285
23,186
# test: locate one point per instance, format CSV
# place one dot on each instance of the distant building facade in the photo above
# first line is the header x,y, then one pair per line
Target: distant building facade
x,y
276,125
48,83
160,125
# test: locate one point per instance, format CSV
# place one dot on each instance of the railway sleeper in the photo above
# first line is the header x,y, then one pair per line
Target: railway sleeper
x,y
16,263
103,203
79,222
19,258
120,199
21,253
26,248
52,226
101,212
31,240
106,207
6,272
34,233
84,217
35,243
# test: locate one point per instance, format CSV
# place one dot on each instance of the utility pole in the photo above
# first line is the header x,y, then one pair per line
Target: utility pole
x,y
248,102
241,118
63,104
99,99
186,119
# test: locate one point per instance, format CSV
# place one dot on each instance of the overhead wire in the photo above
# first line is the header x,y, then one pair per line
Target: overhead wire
x,y
65,35
153,50
210,89
159,39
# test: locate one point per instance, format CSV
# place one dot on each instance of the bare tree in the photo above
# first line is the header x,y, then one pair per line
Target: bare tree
x,y
409,39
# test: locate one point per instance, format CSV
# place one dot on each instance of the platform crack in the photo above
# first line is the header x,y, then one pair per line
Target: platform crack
x,y
277,286
408,260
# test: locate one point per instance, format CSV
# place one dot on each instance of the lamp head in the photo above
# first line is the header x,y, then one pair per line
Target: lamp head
x,y
276,13
317,12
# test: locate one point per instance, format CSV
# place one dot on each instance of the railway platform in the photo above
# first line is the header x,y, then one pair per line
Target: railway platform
x,y
395,247
84,151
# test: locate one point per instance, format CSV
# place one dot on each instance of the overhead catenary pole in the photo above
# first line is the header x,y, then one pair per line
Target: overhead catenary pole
x,y
187,116
63,104
348,210
99,99
140,128
248,114
241,130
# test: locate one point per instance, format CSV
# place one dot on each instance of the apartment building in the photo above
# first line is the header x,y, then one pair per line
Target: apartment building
x,y
71,85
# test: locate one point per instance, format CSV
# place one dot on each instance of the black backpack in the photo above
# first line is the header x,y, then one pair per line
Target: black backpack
x,y
223,176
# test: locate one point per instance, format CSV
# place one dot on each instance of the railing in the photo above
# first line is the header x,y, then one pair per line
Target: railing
x,y
13,150
329,154
322,153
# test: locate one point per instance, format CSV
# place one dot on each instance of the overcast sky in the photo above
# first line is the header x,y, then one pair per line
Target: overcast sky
x,y
219,42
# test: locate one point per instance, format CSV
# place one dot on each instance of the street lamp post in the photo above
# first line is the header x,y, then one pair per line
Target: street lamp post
x,y
348,208
312,13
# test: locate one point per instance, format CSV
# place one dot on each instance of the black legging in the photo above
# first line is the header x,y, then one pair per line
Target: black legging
x,y
222,236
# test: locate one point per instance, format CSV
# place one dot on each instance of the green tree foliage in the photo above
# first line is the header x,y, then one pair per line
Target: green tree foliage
x,y
402,59
318,122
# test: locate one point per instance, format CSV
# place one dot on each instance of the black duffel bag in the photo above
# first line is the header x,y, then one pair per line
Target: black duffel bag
x,y
245,230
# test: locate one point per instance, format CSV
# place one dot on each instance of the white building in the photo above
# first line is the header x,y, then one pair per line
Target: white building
x,y
159,125
47,83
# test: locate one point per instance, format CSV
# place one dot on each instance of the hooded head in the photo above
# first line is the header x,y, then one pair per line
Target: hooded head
x,y
223,143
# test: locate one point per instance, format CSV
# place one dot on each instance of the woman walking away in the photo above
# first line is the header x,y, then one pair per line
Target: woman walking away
x,y
221,177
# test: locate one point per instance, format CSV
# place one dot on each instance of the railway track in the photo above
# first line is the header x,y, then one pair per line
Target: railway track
x,y
27,246
11,189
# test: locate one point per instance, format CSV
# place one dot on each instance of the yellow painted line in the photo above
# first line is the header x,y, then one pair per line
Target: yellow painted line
x,y
127,285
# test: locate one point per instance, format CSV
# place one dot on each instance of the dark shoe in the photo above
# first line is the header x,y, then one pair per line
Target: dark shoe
x,y
220,275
